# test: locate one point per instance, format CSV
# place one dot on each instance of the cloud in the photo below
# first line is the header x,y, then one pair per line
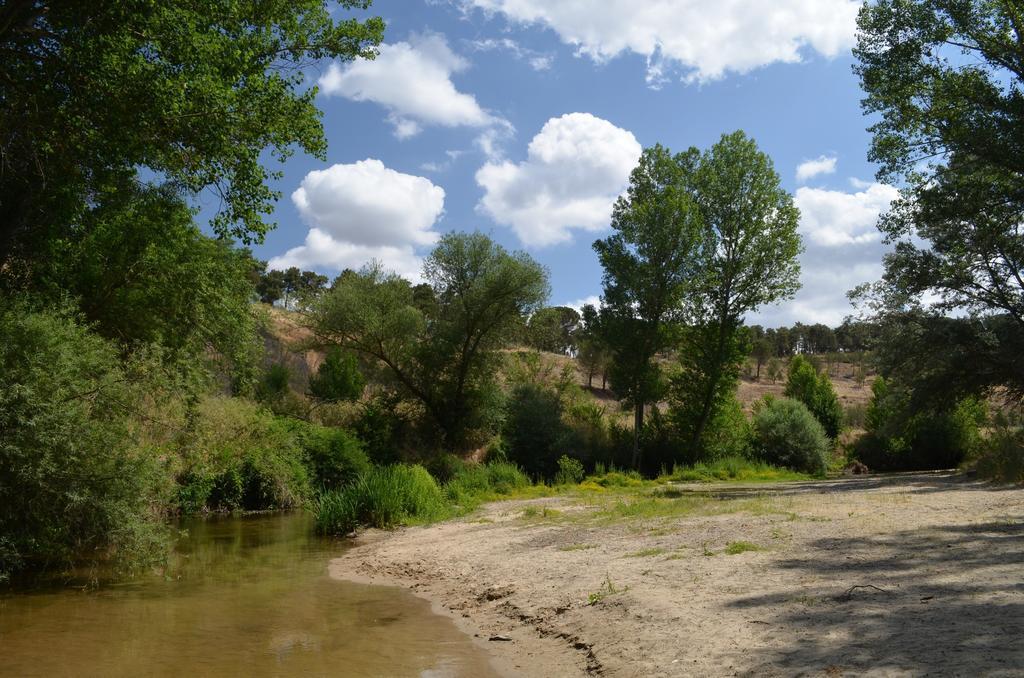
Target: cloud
x,y
538,61
702,40
593,300
363,211
843,250
576,167
809,169
833,218
413,81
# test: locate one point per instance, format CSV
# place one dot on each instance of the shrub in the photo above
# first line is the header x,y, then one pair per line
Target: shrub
x,y
733,468
728,432
534,432
237,455
274,383
338,378
787,434
815,390
384,497
78,473
336,458
902,437
570,471
1001,456
476,483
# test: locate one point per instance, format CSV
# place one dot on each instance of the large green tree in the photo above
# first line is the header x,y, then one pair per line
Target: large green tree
x,y
748,258
142,273
943,78
194,92
650,264
444,355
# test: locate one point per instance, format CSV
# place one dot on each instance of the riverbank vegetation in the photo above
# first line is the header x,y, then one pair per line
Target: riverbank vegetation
x,y
147,372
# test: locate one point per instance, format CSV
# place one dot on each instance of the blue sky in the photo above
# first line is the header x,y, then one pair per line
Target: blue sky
x,y
522,119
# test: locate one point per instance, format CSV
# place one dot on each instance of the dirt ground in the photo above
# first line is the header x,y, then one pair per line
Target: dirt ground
x,y
909,575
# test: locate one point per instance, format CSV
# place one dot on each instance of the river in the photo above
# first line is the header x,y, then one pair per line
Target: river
x,y
241,596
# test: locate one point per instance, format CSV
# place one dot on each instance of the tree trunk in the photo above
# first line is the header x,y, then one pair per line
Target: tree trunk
x,y
604,381
757,377
590,379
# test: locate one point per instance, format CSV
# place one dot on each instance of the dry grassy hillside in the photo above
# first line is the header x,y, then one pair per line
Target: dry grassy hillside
x,y
286,342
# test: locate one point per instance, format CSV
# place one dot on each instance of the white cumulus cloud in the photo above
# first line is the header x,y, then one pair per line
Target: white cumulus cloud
x,y
809,169
576,167
843,249
703,40
832,218
413,81
362,211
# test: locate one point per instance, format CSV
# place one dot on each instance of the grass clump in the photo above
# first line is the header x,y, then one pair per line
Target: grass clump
x,y
578,547
737,547
384,497
472,484
646,553
734,468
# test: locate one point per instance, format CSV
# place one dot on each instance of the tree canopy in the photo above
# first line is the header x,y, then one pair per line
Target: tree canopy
x,y
195,93
444,359
944,78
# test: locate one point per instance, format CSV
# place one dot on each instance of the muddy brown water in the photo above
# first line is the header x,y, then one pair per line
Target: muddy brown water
x,y
242,596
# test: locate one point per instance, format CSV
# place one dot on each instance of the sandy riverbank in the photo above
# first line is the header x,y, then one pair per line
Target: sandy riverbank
x,y
911,575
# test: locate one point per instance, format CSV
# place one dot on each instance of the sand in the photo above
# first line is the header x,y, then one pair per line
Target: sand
x,y
909,575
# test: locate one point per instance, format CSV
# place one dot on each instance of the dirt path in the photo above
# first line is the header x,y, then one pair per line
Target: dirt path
x,y
918,574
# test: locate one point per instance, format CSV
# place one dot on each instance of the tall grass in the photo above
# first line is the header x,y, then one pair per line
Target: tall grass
x,y
389,496
384,497
733,468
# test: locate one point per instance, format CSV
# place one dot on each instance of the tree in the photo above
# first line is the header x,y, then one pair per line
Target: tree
x,y
762,347
649,265
553,329
192,92
815,391
143,273
593,354
748,258
944,78
446,361
338,378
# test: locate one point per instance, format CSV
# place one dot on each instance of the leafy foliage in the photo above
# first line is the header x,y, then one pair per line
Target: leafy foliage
x,y
534,432
902,436
196,93
748,258
445,361
143,273
79,468
649,264
787,434
944,78
816,392
338,378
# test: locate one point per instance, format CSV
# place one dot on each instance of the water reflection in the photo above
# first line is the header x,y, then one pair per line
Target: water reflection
x,y
241,597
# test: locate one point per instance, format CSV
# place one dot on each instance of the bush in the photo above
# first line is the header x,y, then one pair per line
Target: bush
x,y
534,433
338,378
1001,456
384,497
902,437
476,483
815,390
336,458
787,434
237,455
79,468
570,471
